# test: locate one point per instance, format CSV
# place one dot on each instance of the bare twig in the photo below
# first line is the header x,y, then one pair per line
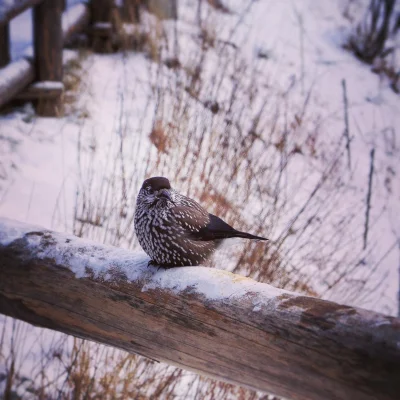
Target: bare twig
x,y
299,17
371,172
346,123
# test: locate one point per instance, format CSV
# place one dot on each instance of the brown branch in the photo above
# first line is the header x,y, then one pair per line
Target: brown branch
x,y
201,319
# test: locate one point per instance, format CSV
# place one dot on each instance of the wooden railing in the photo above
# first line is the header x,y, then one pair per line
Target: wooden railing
x,y
42,63
205,320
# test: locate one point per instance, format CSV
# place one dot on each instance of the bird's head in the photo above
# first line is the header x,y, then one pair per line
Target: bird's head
x,y
156,189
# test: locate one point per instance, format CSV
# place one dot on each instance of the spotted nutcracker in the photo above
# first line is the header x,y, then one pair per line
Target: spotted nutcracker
x,y
175,230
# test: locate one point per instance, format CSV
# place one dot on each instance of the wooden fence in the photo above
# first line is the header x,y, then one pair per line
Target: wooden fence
x,y
205,320
52,27
42,63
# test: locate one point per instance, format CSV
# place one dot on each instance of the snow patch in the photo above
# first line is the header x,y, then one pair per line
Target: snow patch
x,y
49,85
214,284
11,230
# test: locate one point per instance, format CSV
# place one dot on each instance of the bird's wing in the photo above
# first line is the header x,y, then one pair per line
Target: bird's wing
x,y
201,225
189,218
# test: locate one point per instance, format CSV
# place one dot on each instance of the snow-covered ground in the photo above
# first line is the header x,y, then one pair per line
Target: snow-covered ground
x,y
267,71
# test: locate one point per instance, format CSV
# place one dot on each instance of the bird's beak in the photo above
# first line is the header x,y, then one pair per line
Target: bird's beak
x,y
164,193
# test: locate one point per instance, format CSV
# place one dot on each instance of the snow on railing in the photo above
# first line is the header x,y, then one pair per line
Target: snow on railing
x,y
206,320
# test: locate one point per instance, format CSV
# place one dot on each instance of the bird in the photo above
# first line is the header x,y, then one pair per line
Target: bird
x,y
174,230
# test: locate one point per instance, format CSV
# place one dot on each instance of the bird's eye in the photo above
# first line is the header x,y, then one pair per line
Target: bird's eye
x,y
150,190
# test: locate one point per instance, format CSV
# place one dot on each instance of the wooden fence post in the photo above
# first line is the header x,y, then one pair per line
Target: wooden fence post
x,y
48,45
102,25
4,45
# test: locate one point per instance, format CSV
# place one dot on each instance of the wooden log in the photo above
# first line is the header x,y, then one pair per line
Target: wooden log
x,y
13,78
205,320
48,45
101,16
9,10
5,56
74,20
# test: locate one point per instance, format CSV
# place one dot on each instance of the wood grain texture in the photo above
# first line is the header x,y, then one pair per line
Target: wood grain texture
x,y
205,320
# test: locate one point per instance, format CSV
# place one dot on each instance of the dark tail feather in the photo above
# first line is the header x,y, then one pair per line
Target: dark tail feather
x,y
217,229
206,235
247,236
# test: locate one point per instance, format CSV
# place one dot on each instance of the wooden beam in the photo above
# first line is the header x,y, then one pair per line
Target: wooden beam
x,y
48,45
42,90
9,10
205,320
19,74
5,56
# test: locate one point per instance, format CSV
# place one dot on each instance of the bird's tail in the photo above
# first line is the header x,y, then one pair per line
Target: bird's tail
x,y
246,235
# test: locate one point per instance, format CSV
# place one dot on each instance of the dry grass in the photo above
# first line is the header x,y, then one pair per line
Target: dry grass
x,y
159,138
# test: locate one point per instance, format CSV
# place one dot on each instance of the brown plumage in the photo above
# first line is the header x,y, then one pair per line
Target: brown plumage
x,y
175,230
